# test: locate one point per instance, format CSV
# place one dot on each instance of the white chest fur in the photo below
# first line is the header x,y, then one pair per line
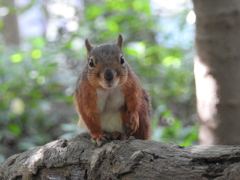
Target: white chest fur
x,y
109,104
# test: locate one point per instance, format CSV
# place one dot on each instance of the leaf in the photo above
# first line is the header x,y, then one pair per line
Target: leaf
x,y
16,58
93,11
112,26
171,61
36,53
41,80
38,42
15,129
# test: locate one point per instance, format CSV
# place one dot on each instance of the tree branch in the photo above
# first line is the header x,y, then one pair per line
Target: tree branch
x,y
79,158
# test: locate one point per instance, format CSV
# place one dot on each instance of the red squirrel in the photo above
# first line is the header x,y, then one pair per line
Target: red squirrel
x,y
108,97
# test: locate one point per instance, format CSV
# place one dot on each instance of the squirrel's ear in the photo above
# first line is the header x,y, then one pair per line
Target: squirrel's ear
x,y
120,41
88,46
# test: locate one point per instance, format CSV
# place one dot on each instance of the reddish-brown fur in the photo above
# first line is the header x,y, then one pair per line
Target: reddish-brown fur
x,y
86,105
135,112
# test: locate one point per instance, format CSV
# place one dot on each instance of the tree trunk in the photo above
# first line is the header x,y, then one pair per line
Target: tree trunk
x,y
217,70
78,158
10,26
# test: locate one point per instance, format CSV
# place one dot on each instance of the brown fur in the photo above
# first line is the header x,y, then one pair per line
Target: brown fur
x,y
136,109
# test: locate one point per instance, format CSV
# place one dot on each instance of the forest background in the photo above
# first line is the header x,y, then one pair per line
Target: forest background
x,y
42,53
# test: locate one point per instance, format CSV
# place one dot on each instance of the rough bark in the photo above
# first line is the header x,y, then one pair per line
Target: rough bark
x,y
217,71
78,158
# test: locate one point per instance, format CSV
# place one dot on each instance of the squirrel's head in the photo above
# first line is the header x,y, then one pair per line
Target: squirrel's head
x,y
107,67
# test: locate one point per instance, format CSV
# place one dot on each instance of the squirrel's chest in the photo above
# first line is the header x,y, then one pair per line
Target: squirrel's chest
x,y
110,100
109,105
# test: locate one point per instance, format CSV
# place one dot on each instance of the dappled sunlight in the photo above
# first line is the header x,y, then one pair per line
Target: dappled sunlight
x,y
191,17
199,149
206,87
206,92
17,106
33,159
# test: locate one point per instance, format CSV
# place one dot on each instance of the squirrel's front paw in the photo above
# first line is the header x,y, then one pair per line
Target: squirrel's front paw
x,y
101,139
115,135
132,125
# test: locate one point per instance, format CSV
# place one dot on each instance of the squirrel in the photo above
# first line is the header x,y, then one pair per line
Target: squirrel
x,y
108,97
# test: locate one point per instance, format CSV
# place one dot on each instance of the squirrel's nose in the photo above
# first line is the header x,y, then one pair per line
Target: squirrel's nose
x,y
108,75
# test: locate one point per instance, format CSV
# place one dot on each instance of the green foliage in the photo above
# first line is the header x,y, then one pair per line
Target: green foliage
x,y
37,79
177,133
172,129
107,18
30,84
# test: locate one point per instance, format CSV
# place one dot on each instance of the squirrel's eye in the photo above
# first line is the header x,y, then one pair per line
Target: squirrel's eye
x,y
91,63
122,60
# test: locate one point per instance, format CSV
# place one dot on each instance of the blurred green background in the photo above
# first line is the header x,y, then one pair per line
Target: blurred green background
x,y
42,53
